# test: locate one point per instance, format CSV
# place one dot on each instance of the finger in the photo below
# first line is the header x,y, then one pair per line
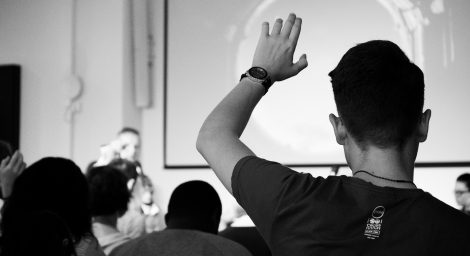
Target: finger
x,y
21,169
288,25
265,29
19,162
5,162
277,27
295,33
301,64
13,159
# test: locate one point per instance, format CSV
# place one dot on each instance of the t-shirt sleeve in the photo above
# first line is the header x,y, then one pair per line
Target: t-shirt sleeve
x,y
261,187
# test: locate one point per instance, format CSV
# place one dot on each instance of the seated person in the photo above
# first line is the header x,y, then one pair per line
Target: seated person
x,y
47,212
462,192
141,216
109,197
243,231
125,146
192,221
379,96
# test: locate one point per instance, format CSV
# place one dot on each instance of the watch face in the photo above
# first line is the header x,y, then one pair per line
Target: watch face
x,y
258,73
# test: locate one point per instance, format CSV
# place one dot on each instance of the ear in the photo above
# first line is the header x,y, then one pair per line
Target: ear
x,y
423,126
338,128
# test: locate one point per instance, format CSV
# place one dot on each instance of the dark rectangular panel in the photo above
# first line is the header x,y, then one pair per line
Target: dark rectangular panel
x,y
10,78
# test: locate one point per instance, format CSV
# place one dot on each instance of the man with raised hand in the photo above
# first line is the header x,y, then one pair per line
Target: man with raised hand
x,y
379,96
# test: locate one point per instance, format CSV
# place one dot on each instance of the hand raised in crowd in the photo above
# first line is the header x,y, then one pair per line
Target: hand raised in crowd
x,y
10,169
109,152
275,51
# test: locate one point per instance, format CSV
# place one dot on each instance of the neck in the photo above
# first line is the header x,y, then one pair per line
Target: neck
x,y
199,225
390,163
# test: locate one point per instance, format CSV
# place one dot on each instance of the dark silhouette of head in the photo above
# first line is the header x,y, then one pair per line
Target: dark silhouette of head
x,y
128,168
379,94
194,205
49,200
109,194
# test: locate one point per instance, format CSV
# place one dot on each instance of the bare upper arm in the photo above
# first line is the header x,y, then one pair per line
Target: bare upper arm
x,y
222,151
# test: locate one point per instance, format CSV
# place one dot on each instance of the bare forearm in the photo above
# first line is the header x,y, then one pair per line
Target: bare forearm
x,y
218,140
231,115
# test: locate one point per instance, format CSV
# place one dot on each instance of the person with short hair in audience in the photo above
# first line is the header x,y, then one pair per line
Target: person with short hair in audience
x,y
462,192
125,146
109,197
192,221
47,212
379,96
142,215
129,139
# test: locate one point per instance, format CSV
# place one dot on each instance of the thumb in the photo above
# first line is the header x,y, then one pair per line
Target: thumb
x,y
300,64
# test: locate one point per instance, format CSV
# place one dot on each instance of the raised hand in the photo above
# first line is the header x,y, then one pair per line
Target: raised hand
x,y
10,169
275,51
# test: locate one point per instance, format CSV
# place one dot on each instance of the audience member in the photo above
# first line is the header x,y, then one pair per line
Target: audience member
x,y
129,139
379,96
47,212
192,220
125,146
142,215
109,197
462,192
243,231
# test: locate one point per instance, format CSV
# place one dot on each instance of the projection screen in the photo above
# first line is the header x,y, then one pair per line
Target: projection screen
x,y
210,43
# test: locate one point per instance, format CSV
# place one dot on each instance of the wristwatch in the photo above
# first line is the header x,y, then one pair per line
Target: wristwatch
x,y
258,75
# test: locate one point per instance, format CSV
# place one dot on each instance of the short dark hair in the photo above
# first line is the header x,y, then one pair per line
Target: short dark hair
x,y
129,130
108,191
197,205
52,184
379,93
465,178
128,168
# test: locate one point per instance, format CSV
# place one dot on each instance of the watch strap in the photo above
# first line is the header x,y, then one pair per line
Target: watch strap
x,y
266,83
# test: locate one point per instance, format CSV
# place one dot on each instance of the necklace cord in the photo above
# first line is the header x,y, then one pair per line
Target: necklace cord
x,y
383,178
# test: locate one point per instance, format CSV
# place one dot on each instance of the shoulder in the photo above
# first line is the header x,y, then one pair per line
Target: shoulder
x,y
179,242
443,212
253,174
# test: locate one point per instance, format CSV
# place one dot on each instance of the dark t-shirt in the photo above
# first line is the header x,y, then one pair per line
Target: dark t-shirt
x,y
298,214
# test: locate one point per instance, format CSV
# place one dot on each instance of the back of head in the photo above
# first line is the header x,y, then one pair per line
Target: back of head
x,y
379,93
43,233
128,168
108,191
51,185
194,205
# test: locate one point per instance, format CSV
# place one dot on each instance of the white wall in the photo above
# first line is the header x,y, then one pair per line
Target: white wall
x,y
152,129
38,36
